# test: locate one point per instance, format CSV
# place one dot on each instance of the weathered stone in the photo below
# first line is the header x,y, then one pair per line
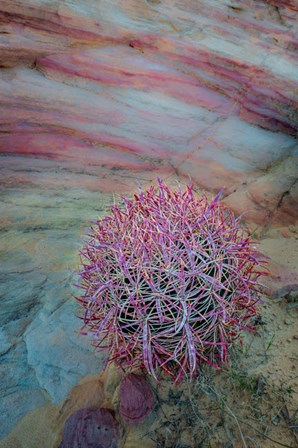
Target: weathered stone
x,y
136,398
88,393
91,428
98,96
20,391
58,353
20,299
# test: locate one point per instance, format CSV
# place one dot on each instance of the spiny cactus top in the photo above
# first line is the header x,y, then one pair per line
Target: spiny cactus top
x,y
168,281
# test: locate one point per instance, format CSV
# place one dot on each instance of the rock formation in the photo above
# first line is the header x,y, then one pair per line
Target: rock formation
x,y
96,96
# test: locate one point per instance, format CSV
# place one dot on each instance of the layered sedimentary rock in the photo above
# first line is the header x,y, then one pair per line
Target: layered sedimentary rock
x,y
98,96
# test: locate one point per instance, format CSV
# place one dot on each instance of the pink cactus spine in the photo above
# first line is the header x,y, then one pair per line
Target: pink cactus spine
x,y
169,280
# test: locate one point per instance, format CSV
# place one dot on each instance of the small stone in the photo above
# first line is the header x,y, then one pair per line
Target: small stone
x,y
136,398
289,340
288,321
261,384
91,428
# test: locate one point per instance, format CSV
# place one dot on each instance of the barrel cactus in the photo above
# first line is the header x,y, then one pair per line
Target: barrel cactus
x,y
169,280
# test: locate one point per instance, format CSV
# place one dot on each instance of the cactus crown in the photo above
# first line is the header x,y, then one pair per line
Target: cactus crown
x,y
169,280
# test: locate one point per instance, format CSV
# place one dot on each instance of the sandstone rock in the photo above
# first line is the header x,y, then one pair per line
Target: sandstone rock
x,y
271,199
91,428
20,302
98,96
88,393
36,429
111,378
58,353
136,398
20,299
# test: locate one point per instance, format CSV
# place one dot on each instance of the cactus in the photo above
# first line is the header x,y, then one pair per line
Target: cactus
x,y
169,281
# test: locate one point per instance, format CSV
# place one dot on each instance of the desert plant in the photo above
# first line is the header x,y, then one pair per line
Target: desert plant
x,y
168,281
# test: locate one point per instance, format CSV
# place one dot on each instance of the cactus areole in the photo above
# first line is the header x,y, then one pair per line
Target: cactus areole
x,y
169,280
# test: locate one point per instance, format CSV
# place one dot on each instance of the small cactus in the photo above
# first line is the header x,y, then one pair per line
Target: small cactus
x,y
168,281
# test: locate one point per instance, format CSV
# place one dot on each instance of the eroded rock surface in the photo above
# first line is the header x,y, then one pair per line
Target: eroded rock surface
x,y
97,96
91,428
